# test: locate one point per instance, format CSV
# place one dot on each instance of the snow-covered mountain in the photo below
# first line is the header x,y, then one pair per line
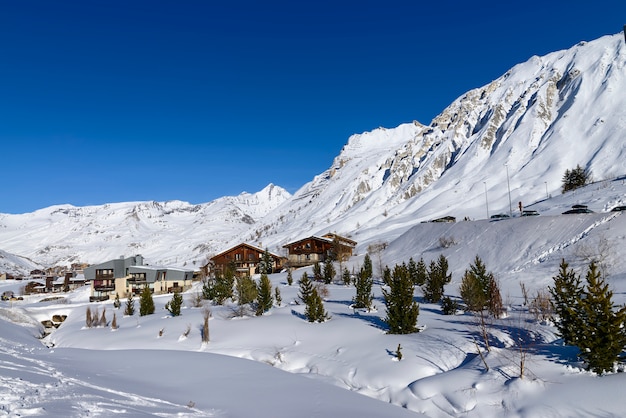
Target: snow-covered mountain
x,y
518,133
507,142
168,233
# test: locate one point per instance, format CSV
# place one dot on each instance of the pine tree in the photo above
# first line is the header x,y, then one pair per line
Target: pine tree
x,y
174,305
475,286
566,295
329,271
246,290
277,296
223,289
364,295
306,288
345,276
317,272
289,277
208,289
146,303
573,179
602,337
367,266
420,275
402,310
437,277
264,300
266,265
130,305
387,276
116,302
114,322
314,310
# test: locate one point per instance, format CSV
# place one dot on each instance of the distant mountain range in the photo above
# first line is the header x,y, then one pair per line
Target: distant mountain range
x,y
504,143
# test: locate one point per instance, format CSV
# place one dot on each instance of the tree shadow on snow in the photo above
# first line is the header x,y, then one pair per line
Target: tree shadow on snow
x,y
373,320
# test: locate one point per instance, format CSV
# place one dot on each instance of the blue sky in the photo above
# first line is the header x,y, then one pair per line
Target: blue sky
x,y
111,101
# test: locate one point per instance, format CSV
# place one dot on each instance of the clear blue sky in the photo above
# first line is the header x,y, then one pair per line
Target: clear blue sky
x,y
111,101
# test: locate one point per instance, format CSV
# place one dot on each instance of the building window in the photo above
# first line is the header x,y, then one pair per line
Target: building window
x,y
237,256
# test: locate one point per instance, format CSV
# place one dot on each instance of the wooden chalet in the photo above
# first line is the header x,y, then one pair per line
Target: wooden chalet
x,y
316,249
245,259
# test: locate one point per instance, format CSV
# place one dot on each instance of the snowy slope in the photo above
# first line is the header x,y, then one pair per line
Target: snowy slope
x,y
507,142
519,133
169,233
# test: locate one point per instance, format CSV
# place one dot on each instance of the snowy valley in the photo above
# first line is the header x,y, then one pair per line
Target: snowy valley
x,y
504,144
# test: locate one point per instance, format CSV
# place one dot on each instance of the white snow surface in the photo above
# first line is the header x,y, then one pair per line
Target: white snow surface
x,y
542,117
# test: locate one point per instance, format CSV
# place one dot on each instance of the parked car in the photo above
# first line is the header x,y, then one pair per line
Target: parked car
x,y
578,210
618,208
499,216
530,213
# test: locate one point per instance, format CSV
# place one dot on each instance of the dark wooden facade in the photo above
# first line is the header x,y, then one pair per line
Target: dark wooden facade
x,y
316,249
245,258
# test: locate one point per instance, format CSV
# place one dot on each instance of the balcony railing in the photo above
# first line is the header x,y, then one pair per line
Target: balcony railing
x,y
104,288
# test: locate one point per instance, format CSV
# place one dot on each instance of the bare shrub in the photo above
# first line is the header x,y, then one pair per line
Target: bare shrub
x,y
322,290
161,331
447,242
196,300
541,306
187,331
206,313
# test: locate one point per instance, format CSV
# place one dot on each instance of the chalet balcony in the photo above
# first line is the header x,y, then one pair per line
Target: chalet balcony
x,y
104,288
98,298
105,276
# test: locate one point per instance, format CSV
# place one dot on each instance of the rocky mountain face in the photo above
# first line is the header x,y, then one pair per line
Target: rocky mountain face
x,y
507,142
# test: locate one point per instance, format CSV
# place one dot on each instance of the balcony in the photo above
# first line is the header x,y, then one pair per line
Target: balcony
x,y
98,298
104,287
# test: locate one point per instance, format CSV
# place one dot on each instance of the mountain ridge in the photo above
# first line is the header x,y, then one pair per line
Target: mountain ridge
x,y
498,145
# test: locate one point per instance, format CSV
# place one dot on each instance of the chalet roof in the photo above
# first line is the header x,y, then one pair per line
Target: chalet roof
x,y
243,244
328,238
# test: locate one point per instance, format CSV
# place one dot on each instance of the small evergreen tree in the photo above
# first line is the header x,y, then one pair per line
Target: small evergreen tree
x,y
146,303
387,276
475,286
314,310
573,179
449,306
420,275
116,302
246,290
345,276
436,279
367,266
223,289
264,300
174,305
402,310
208,288
130,305
306,288
289,277
602,337
364,295
266,266
566,295
317,272
329,271
114,322
399,352
277,296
